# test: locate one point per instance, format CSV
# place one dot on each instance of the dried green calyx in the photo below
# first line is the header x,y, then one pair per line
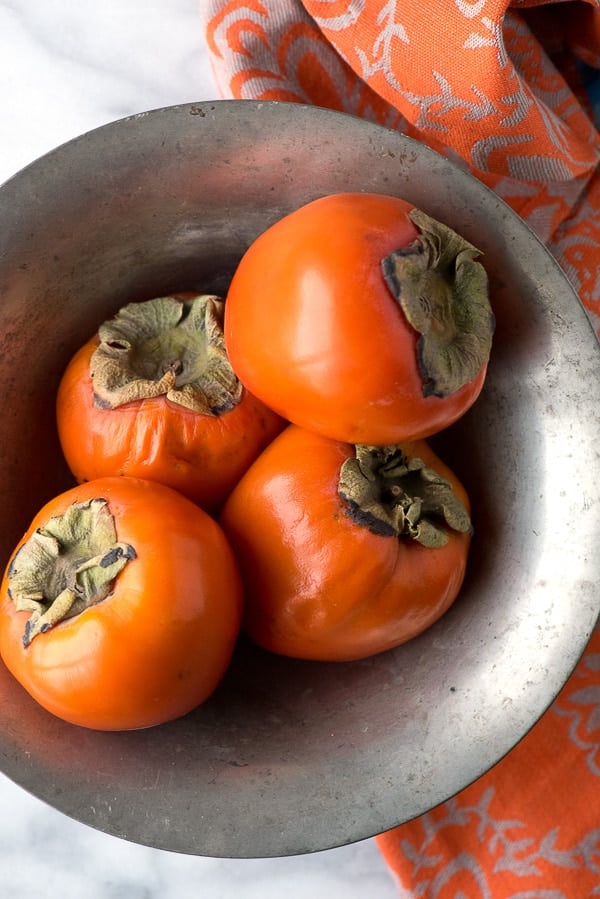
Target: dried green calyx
x,y
443,292
395,495
66,566
166,347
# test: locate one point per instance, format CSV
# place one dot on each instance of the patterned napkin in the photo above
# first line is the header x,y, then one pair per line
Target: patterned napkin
x,y
511,92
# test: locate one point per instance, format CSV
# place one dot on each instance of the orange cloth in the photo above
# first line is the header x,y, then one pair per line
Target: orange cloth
x,y
497,87
530,827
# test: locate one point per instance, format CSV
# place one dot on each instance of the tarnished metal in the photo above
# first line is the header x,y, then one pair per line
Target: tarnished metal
x,y
291,757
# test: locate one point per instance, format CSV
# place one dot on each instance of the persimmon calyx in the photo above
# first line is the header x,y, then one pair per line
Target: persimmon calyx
x,y
444,294
66,566
166,347
395,495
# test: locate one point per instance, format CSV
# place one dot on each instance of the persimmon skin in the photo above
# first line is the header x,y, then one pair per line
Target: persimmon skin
x,y
312,329
158,646
319,586
201,456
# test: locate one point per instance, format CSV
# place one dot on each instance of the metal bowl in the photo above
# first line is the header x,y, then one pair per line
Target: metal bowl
x,y
290,757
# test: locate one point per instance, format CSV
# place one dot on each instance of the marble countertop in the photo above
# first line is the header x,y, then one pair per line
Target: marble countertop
x,y
67,66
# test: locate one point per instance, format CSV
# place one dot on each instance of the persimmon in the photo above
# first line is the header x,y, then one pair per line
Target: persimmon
x,y
152,395
121,606
346,551
362,318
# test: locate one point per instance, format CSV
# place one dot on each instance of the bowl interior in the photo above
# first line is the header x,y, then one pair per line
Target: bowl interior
x,y
290,757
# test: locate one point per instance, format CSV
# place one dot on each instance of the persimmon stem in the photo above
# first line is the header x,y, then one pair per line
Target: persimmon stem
x,y
166,347
66,566
395,495
443,292
40,622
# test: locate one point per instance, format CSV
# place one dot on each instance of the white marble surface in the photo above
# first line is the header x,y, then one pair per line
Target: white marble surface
x,y
67,66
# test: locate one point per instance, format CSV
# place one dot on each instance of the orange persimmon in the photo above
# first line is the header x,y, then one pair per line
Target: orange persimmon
x,y
346,551
152,395
362,318
121,606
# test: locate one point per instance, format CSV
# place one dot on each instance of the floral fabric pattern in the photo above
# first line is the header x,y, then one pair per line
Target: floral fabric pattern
x,y
506,90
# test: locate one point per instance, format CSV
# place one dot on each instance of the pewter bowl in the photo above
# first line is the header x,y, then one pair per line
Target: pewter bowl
x,y
291,757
